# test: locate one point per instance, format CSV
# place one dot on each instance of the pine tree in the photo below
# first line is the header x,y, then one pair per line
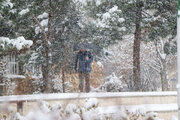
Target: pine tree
x,y
101,22
157,20
54,25
162,30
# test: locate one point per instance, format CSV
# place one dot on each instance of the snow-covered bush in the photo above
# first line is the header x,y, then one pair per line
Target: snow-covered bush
x,y
46,111
90,111
72,112
112,84
126,115
120,115
151,116
58,85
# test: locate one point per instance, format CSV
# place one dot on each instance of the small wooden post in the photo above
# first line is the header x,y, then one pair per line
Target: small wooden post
x,y
20,107
1,86
1,89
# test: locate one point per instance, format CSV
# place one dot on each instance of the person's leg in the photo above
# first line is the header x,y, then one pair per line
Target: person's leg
x,y
81,81
87,78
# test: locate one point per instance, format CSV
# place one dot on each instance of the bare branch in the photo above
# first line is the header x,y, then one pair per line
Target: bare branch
x,y
42,29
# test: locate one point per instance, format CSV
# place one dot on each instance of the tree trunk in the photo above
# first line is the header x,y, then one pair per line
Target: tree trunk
x,y
50,22
136,48
164,81
1,86
48,52
45,67
63,80
46,74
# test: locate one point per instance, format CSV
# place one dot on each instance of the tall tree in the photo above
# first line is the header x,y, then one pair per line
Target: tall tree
x,y
58,31
151,21
51,23
101,22
162,30
136,47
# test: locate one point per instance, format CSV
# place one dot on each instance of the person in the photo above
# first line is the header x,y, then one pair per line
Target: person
x,y
83,62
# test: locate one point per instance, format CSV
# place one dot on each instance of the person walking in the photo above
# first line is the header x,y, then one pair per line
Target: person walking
x,y
83,62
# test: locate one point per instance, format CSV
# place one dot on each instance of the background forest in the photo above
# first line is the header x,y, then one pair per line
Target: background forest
x,y
134,43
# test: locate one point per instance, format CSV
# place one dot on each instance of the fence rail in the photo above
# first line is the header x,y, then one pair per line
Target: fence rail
x,y
165,103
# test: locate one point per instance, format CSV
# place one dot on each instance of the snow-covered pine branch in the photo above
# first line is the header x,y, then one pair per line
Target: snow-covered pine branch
x,y
17,43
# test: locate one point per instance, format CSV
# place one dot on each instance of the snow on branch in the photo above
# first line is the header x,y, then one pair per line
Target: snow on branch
x,y
44,15
24,11
7,3
18,43
45,40
111,16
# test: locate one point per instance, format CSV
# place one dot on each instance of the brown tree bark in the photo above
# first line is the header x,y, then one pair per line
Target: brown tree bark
x,y
48,76
1,86
46,73
164,80
63,80
136,48
46,68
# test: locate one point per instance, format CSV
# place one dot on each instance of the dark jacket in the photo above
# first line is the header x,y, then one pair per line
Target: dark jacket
x,y
81,64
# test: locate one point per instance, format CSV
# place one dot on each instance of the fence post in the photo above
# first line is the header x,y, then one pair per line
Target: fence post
x,y
1,86
20,107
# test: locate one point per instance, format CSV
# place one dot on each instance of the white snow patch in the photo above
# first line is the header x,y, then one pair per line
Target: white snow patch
x,y
15,76
121,20
19,43
106,15
99,64
44,106
19,117
90,110
178,86
71,108
163,56
44,22
152,116
178,12
22,12
83,2
92,102
114,9
13,11
42,16
72,112
7,3
174,118
98,2
151,11
106,18
122,29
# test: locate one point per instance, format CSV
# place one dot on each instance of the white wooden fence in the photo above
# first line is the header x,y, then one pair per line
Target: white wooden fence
x,y
164,103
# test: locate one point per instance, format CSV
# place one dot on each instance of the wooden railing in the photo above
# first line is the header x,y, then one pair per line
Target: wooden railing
x,y
167,101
